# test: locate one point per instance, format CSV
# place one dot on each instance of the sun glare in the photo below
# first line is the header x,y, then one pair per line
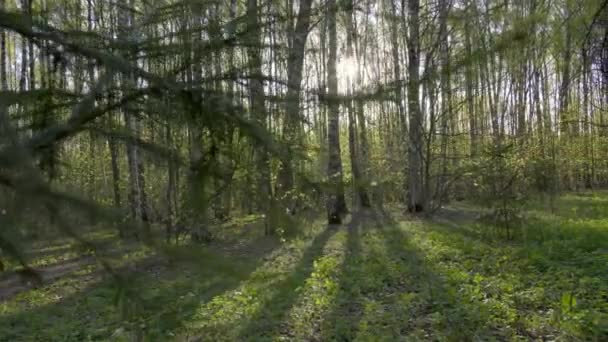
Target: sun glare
x,y
347,68
347,71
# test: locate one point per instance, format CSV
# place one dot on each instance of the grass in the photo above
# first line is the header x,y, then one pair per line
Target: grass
x,y
48,251
381,277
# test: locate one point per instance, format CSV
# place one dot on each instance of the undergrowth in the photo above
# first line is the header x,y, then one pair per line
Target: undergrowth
x,y
382,277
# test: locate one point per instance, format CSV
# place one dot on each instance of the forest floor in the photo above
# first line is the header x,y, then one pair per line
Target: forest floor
x,y
381,276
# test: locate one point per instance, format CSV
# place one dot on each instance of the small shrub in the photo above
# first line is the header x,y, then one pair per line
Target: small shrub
x,y
502,187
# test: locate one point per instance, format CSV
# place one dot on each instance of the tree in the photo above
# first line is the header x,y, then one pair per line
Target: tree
x,y
295,62
336,203
3,56
206,111
137,194
416,197
258,107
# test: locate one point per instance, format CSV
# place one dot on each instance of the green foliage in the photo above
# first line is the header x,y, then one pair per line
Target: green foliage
x,y
376,279
151,111
501,185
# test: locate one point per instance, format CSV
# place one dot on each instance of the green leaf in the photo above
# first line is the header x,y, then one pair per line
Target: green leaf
x,y
568,302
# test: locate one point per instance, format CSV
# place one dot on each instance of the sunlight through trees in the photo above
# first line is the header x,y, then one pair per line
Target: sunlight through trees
x,y
266,168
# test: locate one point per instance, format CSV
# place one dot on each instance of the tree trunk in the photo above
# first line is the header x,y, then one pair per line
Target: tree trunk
x,y
197,177
23,73
336,203
32,61
113,147
258,108
469,77
564,91
397,71
295,62
416,198
112,143
133,163
3,57
361,198
446,100
135,166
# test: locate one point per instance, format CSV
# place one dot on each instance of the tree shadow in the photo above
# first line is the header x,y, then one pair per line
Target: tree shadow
x,y
269,318
534,231
342,322
541,244
420,301
170,294
478,225
573,206
465,229
484,271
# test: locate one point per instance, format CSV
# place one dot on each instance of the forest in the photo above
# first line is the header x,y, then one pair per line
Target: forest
x,y
303,170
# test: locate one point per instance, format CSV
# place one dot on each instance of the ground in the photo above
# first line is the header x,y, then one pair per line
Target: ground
x,y
383,276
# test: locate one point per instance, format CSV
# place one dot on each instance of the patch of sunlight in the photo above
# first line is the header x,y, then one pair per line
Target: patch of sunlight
x,y
101,234
241,222
50,260
508,287
318,292
50,294
595,196
63,242
54,248
135,255
234,308
70,283
384,319
390,281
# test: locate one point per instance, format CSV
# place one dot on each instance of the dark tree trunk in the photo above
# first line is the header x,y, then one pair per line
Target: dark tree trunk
x,y
336,203
258,107
416,198
295,62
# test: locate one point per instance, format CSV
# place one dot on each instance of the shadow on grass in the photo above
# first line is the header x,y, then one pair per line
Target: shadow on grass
x,y
170,295
269,319
41,254
341,323
549,255
425,281
544,233
420,302
575,206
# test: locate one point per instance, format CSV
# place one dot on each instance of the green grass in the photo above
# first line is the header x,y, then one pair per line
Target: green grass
x,y
383,277
47,251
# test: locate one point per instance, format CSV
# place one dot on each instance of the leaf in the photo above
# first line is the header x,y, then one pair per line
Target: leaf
x,y
568,302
